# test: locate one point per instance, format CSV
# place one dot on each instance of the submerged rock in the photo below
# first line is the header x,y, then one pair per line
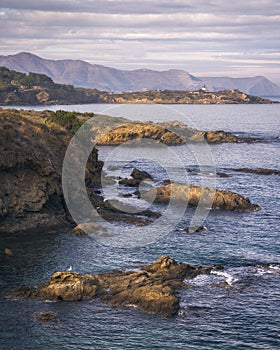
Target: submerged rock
x,y
150,288
217,199
46,316
194,229
259,171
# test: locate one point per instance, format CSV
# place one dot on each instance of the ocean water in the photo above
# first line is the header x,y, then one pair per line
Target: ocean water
x,y
234,309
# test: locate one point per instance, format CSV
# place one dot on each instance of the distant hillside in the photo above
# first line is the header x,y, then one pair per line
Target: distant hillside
x,y
259,85
39,89
82,74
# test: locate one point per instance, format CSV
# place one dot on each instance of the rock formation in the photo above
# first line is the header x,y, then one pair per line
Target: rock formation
x,y
31,158
152,288
136,177
222,199
169,133
259,171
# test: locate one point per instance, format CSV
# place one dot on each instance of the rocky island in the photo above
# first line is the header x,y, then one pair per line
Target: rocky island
x,y
151,288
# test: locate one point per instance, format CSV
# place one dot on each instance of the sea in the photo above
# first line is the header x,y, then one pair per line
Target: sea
x,y
237,308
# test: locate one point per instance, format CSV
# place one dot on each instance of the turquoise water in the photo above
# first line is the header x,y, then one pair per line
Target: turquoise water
x,y
242,315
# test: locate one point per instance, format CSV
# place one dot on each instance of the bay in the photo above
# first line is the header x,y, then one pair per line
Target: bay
x,y
245,315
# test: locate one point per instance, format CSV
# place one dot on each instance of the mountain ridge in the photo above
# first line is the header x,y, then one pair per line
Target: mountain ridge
x,y
83,74
38,89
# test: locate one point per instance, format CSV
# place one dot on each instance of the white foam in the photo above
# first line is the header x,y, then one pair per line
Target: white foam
x,y
230,280
133,270
270,269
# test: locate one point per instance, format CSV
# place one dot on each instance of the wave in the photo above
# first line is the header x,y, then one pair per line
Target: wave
x,y
233,276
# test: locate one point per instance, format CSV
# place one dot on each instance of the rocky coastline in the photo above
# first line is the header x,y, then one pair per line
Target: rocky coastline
x,y
32,147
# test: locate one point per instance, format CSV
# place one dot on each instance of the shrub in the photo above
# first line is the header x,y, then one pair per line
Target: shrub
x,y
68,120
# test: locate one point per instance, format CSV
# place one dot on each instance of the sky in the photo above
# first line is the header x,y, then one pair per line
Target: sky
x,y
204,37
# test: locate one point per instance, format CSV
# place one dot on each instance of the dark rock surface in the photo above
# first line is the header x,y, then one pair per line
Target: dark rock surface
x,y
136,177
151,288
259,171
46,316
31,158
140,175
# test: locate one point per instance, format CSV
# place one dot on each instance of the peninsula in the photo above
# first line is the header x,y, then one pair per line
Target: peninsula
x,y
39,89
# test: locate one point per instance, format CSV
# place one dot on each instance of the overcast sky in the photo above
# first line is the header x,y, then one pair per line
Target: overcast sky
x,y
205,37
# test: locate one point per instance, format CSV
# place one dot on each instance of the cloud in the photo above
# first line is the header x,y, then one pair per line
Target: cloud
x,y
205,35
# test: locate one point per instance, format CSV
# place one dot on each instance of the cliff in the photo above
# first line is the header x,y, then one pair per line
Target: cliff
x,y
31,158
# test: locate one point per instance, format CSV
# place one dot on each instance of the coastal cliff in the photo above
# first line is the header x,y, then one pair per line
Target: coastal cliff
x,y
31,158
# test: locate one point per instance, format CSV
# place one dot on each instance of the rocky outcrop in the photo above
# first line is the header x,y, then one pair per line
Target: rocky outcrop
x,y
31,158
152,288
136,177
259,171
169,133
222,199
233,96
140,175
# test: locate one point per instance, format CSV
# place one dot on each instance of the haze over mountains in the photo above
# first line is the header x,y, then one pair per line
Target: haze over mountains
x,y
83,74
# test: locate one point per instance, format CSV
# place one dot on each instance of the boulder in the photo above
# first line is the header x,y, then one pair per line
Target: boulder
x,y
140,175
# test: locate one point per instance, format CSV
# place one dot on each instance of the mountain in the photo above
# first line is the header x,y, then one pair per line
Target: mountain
x,y
83,74
38,89
259,85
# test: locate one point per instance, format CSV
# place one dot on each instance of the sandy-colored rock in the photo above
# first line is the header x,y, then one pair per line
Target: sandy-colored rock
x,y
168,133
151,288
218,199
9,252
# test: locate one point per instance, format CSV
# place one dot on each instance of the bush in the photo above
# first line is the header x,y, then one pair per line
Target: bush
x,y
68,120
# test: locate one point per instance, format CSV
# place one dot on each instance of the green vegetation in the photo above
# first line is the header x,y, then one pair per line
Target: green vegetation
x,y
11,80
68,120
